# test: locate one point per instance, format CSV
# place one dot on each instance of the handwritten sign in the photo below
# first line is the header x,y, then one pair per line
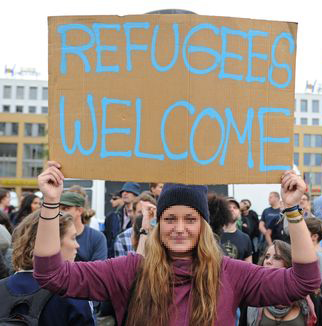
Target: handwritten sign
x,y
172,98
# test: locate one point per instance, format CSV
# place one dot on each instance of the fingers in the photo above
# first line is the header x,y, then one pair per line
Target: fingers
x,y
53,163
53,175
291,181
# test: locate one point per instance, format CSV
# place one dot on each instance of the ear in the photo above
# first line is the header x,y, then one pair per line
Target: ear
x,y
314,237
80,209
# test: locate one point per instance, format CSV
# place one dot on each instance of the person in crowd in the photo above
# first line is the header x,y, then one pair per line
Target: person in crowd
x,y
315,227
317,207
88,216
250,218
5,221
5,238
5,241
300,312
28,205
123,242
235,243
92,243
182,279
119,220
270,216
155,189
4,200
58,310
219,213
3,267
116,200
305,204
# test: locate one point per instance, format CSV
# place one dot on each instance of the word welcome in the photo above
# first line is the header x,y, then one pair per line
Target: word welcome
x,y
222,34
206,113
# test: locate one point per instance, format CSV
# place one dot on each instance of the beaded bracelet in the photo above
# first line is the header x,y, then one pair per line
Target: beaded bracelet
x,y
50,218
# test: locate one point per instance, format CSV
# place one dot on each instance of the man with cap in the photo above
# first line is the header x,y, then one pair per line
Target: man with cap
x,y
120,219
92,243
235,243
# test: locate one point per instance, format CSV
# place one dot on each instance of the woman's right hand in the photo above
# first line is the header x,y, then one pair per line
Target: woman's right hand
x,y
50,182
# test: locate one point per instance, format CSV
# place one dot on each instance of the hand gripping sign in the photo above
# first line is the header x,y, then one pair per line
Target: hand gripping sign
x,y
177,98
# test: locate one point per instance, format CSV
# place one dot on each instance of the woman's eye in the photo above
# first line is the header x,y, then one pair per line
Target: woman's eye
x,y
191,219
267,256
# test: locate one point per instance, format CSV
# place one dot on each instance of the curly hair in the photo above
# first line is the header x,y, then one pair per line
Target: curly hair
x,y
24,237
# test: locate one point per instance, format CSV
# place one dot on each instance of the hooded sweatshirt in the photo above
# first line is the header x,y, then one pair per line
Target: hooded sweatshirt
x,y
239,282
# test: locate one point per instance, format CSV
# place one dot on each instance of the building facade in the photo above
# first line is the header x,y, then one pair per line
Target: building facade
x,y
308,139
23,132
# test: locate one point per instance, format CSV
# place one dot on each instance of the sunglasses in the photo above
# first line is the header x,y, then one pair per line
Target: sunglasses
x,y
115,198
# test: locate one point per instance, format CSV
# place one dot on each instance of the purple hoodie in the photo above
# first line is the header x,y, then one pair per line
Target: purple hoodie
x,y
240,282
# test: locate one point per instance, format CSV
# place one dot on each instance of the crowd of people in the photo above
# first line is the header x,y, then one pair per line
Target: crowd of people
x,y
182,256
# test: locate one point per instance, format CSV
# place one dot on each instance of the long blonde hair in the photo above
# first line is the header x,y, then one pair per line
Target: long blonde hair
x,y
24,237
153,291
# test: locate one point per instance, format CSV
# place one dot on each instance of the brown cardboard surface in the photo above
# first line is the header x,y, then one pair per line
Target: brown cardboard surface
x,y
208,95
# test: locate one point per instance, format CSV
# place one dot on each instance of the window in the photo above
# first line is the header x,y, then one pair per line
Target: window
x,y
33,151
19,108
294,105
307,177
34,129
44,110
32,109
6,108
296,140
312,159
307,140
44,93
20,90
32,159
6,91
8,129
315,106
315,122
318,141
32,93
318,159
303,122
8,157
303,105
307,159
296,158
317,180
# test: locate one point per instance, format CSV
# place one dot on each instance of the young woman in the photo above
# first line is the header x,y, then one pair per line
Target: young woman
x,y
28,205
58,310
183,278
299,313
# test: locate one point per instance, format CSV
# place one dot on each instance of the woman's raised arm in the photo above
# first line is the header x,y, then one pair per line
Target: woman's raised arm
x,y
50,183
293,187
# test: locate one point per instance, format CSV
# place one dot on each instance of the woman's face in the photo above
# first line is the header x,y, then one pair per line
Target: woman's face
x,y
69,244
35,204
273,259
5,202
180,229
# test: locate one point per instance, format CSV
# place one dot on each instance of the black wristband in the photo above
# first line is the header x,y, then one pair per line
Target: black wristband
x,y
50,218
51,203
51,206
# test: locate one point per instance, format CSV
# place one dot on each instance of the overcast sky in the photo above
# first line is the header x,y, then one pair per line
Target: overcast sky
x,y
24,25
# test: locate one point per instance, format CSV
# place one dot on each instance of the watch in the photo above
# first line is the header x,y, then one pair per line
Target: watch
x,y
143,231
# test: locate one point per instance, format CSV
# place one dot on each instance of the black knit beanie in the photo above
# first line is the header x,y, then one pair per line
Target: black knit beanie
x,y
188,195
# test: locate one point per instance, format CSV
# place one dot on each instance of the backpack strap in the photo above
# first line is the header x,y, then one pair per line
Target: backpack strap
x,y
35,301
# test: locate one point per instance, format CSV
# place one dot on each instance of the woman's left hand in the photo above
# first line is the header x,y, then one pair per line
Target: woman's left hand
x,y
292,188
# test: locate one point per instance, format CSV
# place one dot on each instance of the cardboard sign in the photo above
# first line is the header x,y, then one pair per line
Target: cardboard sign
x,y
171,98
